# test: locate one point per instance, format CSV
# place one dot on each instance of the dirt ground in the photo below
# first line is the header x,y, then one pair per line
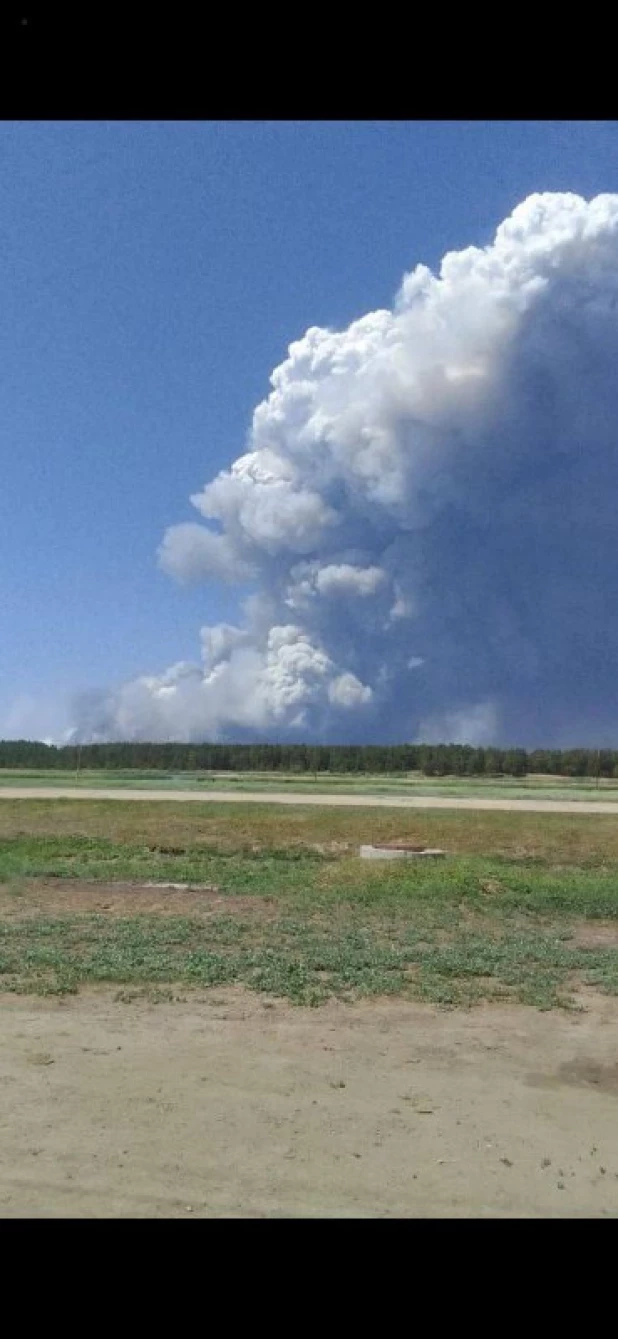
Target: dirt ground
x,y
225,1104
61,897
326,801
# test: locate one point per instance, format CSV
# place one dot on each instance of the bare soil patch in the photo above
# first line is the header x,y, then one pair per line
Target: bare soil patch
x,y
223,1105
595,934
52,897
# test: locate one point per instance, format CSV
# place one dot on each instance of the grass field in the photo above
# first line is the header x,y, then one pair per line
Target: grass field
x,y
513,788
525,907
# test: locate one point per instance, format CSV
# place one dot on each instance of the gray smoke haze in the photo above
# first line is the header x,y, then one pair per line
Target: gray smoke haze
x,y
426,513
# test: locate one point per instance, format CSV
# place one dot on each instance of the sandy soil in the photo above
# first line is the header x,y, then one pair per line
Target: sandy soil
x,y
226,1105
330,801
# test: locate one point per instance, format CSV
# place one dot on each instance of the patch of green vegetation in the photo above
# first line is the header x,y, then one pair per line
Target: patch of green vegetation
x,y
497,888
496,885
299,960
322,922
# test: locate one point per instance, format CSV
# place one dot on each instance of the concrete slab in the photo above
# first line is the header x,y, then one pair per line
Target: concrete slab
x,y
399,851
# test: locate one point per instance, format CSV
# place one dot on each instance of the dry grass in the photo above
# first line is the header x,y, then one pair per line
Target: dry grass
x,y
568,839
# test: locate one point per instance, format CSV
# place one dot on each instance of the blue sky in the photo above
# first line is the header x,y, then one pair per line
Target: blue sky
x,y
152,276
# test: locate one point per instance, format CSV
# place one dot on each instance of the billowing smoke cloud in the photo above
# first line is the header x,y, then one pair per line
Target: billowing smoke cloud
x,y
426,513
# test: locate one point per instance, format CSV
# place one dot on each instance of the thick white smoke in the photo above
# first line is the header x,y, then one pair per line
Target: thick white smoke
x,y
427,515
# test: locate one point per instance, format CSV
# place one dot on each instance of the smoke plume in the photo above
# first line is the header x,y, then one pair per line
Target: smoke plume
x,y
425,514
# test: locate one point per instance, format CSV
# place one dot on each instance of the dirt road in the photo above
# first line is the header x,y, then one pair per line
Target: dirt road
x,y
226,1105
328,801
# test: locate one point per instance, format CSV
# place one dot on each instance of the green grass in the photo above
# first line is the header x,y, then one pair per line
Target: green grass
x,y
513,788
302,959
506,916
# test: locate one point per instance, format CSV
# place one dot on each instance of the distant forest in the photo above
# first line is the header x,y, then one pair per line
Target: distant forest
x,y
430,759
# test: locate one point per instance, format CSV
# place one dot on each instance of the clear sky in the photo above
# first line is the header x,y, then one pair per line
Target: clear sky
x,y
152,276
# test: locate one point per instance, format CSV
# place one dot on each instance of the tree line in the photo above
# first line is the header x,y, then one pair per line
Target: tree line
x,y
430,759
